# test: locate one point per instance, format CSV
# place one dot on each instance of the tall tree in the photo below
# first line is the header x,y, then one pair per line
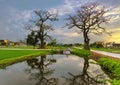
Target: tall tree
x,y
41,24
88,19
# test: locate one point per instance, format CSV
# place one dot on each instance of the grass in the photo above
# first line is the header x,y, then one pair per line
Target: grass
x,y
8,57
112,67
18,47
81,52
107,50
6,54
56,47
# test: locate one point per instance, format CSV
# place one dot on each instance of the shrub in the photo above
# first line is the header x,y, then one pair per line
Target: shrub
x,y
81,52
113,69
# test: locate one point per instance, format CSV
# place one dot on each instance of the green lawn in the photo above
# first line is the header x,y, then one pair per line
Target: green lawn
x,y
5,54
8,57
17,47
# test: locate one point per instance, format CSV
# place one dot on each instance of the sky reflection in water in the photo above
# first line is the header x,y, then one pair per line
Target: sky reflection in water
x,y
52,70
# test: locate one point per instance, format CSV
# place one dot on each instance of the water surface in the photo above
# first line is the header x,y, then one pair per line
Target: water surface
x,y
53,70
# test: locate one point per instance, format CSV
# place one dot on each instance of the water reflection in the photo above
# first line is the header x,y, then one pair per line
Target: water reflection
x,y
40,71
85,77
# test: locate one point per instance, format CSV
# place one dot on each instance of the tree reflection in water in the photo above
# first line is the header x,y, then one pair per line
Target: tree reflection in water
x,y
85,78
39,70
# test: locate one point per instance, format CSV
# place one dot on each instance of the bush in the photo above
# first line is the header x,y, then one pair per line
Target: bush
x,y
81,52
113,69
115,82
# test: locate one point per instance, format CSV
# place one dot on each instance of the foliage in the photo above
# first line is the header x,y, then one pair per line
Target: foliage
x,y
32,39
97,45
53,42
81,52
113,69
115,82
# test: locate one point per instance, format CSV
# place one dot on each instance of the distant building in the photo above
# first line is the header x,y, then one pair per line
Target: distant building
x,y
109,44
10,43
112,45
4,42
116,45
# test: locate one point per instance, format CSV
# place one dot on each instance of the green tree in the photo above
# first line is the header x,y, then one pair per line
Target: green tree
x,y
88,19
32,39
53,42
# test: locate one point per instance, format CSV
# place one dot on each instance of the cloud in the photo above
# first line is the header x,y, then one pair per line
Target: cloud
x,y
115,37
12,25
113,3
69,6
12,21
64,35
114,14
2,0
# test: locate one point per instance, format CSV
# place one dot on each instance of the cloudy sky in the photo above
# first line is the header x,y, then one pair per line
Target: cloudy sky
x,y
15,13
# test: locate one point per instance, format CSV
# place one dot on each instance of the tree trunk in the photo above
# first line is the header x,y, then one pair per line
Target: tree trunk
x,y
86,41
42,43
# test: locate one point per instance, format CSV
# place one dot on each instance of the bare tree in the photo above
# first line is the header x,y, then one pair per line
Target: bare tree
x,y
42,28
88,19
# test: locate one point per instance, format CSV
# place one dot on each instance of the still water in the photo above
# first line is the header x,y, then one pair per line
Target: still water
x,y
53,70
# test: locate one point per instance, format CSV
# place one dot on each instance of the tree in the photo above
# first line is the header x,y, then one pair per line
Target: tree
x,y
53,42
32,39
39,70
86,77
88,19
41,24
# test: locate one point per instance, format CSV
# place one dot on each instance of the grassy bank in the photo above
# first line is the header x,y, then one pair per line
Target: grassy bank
x,y
109,65
112,67
8,57
81,52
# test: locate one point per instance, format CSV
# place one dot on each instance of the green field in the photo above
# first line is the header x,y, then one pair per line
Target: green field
x,y
17,47
6,54
8,57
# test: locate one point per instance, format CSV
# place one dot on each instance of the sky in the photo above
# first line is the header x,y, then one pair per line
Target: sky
x,y
14,14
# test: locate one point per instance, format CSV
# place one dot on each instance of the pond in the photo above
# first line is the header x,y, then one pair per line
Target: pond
x,y
54,70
